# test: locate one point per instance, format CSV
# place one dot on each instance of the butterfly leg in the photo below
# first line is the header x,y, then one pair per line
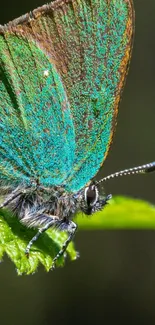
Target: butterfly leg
x,y
71,228
53,220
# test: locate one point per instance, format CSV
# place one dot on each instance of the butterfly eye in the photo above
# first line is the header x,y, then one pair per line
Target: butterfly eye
x,y
91,195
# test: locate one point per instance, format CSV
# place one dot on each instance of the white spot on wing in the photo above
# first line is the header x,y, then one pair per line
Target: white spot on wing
x,y
46,73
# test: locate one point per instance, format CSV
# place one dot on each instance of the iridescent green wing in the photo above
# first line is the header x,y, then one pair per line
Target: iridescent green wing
x,y
36,132
98,35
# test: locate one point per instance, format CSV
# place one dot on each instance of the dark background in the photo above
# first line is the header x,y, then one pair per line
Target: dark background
x,y
114,280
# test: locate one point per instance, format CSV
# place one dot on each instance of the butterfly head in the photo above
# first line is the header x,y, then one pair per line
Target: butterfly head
x,y
90,199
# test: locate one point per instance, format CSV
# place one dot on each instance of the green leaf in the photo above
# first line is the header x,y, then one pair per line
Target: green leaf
x,y
120,213
14,238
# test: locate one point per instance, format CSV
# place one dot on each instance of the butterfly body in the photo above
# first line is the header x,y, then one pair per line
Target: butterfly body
x,y
43,208
35,204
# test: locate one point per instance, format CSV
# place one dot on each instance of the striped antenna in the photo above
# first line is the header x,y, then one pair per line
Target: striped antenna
x,y
144,169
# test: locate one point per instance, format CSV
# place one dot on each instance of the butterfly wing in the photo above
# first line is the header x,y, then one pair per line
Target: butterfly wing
x,y
36,131
87,44
99,43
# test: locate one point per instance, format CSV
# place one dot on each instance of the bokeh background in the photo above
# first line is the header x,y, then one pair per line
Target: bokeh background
x,y
114,280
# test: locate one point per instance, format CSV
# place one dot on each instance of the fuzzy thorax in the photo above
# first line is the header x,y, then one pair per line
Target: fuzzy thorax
x,y
34,206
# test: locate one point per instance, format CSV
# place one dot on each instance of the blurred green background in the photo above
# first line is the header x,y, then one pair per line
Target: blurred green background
x,y
114,280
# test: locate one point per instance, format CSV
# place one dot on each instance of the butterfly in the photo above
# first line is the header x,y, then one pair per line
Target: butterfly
x,y
62,71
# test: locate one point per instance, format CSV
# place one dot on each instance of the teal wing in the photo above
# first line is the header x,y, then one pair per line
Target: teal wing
x,y
80,50
98,36
36,131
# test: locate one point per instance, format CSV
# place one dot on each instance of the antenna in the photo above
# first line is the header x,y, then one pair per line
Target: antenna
x,y
143,169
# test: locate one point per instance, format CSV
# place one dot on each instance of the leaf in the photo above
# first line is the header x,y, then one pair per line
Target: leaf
x,y
120,213
14,238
